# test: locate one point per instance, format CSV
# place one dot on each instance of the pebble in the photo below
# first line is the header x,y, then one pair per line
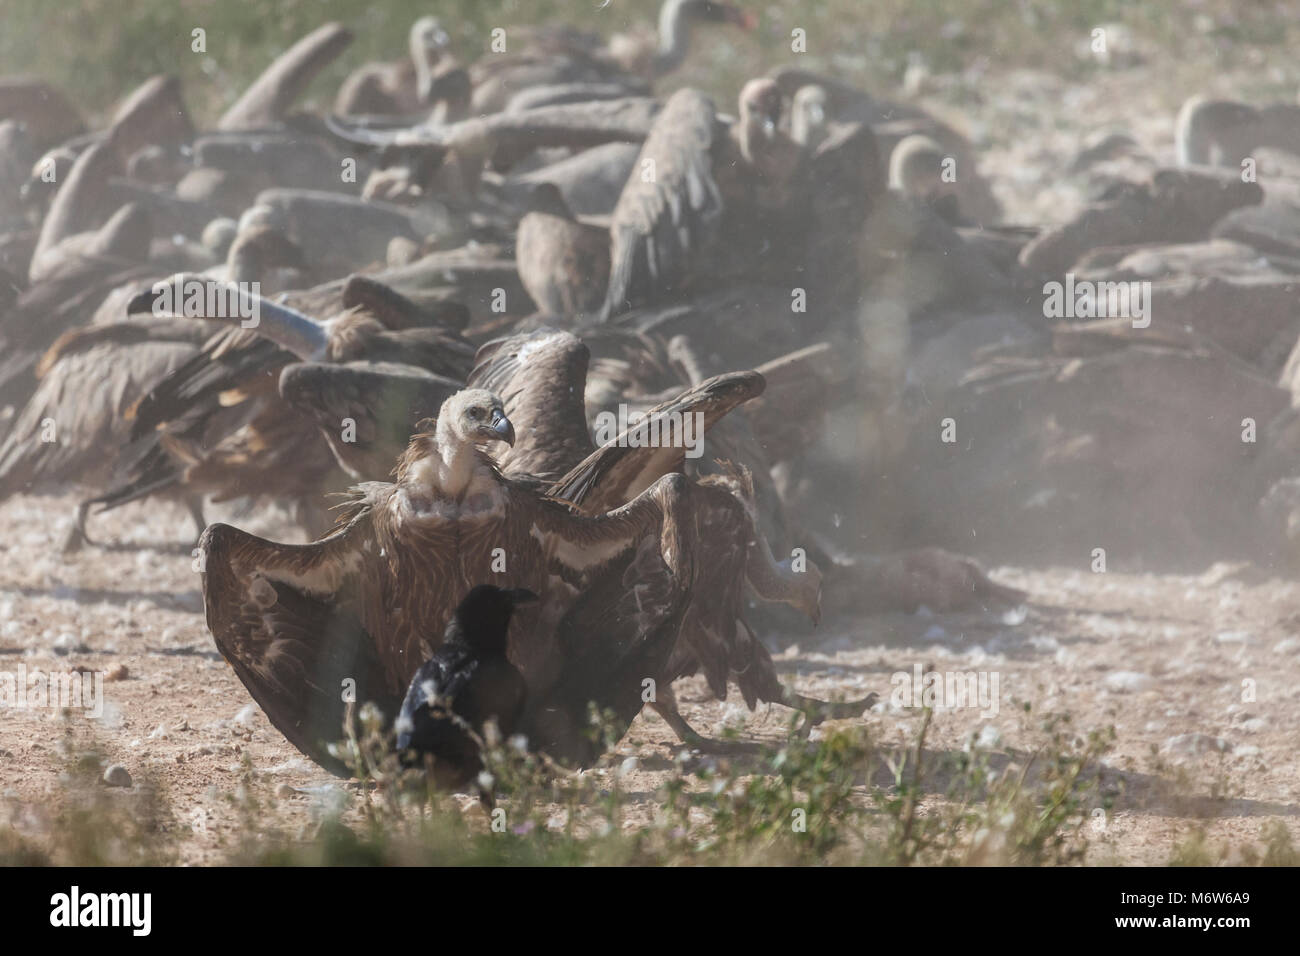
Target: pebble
x,y
1128,682
116,673
1234,637
117,776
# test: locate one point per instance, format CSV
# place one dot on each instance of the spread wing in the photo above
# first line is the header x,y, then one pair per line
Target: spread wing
x,y
541,377
367,411
669,205
283,616
619,632
631,462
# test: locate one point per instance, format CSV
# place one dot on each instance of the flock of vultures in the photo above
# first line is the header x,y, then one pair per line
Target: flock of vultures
x,y
570,385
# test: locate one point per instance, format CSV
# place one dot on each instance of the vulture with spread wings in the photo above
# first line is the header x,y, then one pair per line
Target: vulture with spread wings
x,y
540,379
640,571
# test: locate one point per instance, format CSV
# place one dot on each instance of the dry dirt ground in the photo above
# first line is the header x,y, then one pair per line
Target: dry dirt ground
x,y
1166,660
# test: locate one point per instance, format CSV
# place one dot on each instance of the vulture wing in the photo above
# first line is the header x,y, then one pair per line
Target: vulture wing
x,y
284,617
621,469
382,400
668,207
578,125
541,376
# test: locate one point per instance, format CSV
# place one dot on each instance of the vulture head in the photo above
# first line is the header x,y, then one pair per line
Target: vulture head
x,y
475,415
807,591
428,40
916,167
446,459
760,104
760,111
259,248
809,115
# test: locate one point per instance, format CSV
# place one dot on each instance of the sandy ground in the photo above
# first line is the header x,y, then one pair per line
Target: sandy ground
x,y
1166,660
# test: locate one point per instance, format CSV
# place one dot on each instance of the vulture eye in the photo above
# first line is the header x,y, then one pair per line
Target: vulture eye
x,y
476,414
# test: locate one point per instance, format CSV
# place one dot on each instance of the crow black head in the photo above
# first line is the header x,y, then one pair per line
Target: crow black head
x,y
483,617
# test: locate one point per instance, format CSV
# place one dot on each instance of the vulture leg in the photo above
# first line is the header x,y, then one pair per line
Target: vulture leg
x,y
666,707
194,504
76,538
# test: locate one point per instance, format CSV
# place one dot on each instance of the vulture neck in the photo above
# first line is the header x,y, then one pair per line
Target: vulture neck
x,y
451,466
244,262
674,37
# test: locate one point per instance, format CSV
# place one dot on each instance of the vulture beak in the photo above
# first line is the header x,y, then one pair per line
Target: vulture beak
x,y
501,427
745,19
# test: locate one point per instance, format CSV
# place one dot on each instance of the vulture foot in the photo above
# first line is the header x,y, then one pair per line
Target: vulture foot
x,y
815,711
691,738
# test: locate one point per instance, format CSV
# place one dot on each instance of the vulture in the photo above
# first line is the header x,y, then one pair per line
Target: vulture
x,y
217,422
1225,132
368,601
88,380
718,199
397,88
830,101
616,547
266,102
563,263
562,55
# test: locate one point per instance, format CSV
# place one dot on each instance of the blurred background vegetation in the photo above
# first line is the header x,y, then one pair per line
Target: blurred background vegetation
x,y
99,49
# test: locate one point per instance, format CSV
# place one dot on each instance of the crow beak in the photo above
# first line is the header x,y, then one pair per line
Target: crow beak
x,y
502,428
522,597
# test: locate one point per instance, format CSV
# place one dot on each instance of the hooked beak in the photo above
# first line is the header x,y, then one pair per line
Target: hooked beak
x,y
745,19
501,428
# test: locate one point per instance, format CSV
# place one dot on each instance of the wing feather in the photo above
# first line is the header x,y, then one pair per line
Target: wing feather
x,y
283,616
668,207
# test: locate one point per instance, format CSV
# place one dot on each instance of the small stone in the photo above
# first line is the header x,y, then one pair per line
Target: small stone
x,y
285,792
1128,682
117,776
116,673
1234,637
68,644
